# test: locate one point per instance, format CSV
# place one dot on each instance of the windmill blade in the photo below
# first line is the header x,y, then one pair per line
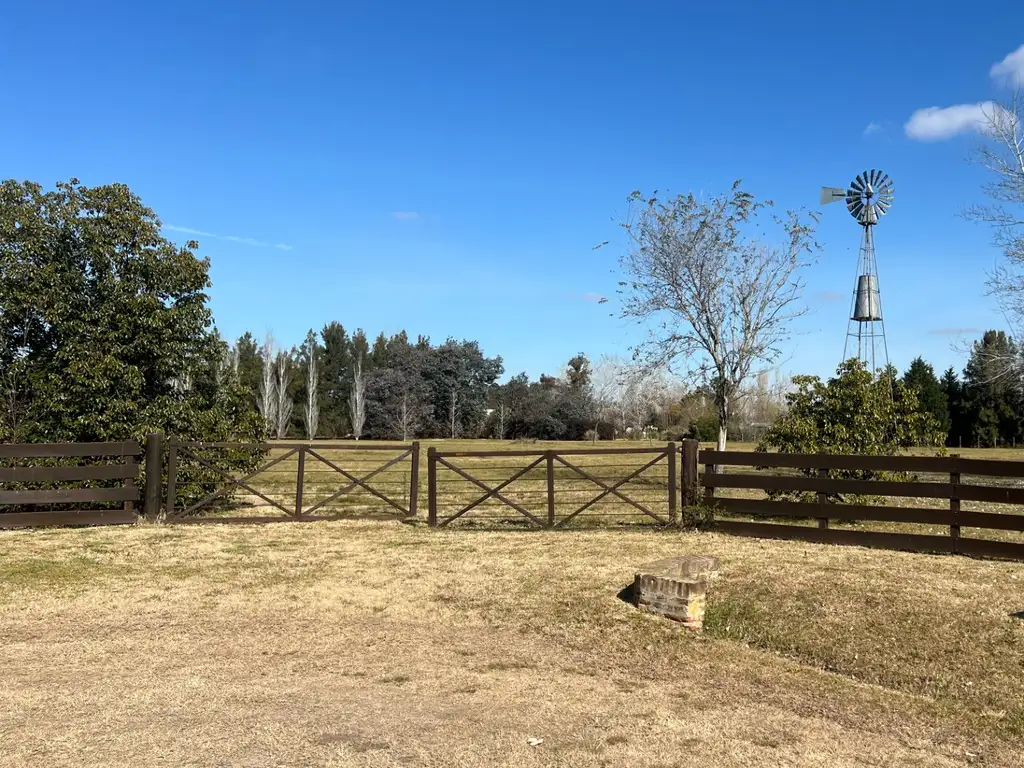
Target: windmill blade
x,y
873,177
857,184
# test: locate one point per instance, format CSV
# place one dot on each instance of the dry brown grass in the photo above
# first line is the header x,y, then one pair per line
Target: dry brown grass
x,y
378,644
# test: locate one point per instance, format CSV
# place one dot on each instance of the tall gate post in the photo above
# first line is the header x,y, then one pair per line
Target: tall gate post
x,y
172,479
154,469
432,486
690,449
414,479
550,456
300,481
672,490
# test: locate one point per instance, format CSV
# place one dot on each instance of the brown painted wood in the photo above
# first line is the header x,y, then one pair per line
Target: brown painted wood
x,y
1011,550
672,490
541,452
823,499
902,541
991,520
272,446
69,496
56,450
954,507
611,489
231,482
938,464
414,480
866,487
691,473
802,483
549,462
67,517
154,470
361,482
432,486
989,467
848,512
68,474
493,491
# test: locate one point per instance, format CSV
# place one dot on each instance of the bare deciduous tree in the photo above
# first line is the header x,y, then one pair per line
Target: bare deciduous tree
x,y
406,419
284,402
453,413
503,413
267,402
712,295
311,412
357,399
1002,155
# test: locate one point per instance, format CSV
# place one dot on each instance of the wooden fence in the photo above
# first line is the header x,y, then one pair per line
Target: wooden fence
x,y
278,482
935,504
821,476
101,475
552,488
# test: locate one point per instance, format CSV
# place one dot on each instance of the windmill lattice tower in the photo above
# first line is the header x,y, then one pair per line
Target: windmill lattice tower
x,y
868,198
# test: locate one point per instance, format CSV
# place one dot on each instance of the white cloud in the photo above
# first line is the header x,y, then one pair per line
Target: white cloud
x,y
1010,71
405,215
228,238
872,128
937,123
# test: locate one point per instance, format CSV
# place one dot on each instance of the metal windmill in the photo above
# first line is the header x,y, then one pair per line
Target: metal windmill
x,y
867,199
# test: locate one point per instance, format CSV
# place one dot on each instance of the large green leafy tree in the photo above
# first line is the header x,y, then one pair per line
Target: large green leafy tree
x,y
105,333
853,413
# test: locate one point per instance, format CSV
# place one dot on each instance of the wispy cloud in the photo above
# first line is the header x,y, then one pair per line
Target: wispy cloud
x,y
937,123
229,238
595,298
872,128
1010,71
830,297
405,216
953,331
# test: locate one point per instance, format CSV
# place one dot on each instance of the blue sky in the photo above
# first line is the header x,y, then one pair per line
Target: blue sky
x,y
447,167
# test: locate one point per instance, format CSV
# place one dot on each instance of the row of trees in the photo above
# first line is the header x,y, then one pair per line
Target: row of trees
x,y
982,407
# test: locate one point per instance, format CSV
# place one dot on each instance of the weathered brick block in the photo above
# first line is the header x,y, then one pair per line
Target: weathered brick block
x,y
675,588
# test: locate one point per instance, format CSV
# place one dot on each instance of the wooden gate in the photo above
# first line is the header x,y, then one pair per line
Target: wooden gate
x,y
554,488
275,482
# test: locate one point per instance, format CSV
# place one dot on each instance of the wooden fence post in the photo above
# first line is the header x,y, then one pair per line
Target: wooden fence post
x,y
709,490
690,472
414,479
172,479
154,469
300,480
954,505
551,488
673,490
432,486
822,498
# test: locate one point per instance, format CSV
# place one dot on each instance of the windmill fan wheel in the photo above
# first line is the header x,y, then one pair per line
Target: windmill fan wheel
x,y
869,196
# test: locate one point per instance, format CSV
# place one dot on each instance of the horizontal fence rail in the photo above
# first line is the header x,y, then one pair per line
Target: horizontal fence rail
x,y
276,482
99,479
842,488
552,488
